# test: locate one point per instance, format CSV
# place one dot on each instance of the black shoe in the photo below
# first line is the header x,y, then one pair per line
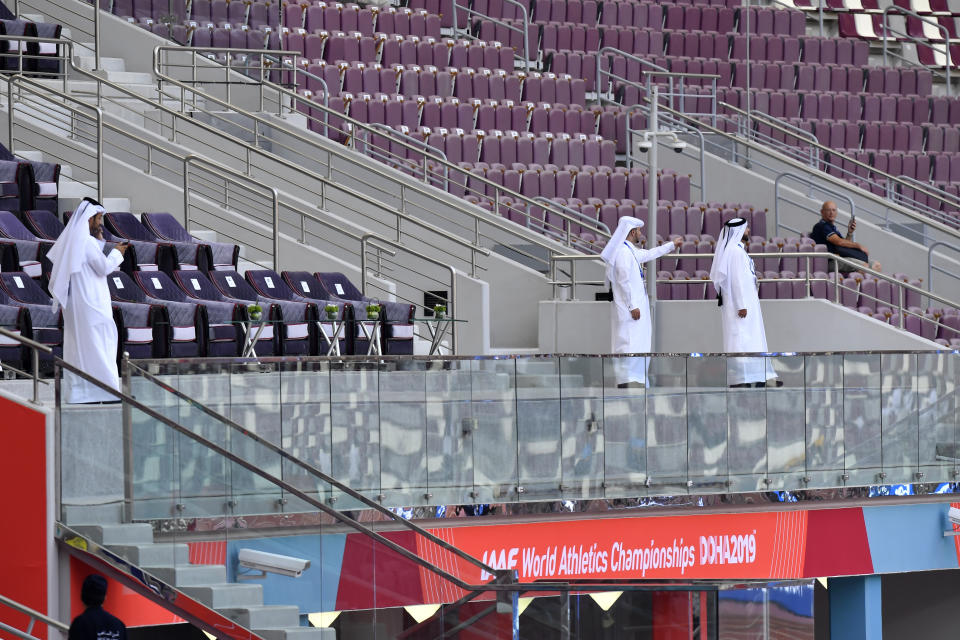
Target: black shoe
x,y
742,385
631,385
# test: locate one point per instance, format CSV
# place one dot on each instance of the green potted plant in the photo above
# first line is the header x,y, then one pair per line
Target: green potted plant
x,y
440,311
255,312
332,311
373,311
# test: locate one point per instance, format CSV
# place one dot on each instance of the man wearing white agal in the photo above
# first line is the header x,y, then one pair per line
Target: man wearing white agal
x,y
735,280
78,283
631,308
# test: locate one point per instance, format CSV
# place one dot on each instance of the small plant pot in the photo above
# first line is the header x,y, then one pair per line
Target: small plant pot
x,y
372,315
255,317
331,315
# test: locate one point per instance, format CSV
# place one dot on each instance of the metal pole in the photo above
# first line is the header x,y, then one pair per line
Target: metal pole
x,y
565,615
652,201
746,11
36,375
127,413
96,39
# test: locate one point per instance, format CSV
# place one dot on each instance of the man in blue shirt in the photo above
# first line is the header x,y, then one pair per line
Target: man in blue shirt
x,y
825,232
95,623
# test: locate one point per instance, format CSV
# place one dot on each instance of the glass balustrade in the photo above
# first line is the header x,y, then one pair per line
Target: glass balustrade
x,y
421,432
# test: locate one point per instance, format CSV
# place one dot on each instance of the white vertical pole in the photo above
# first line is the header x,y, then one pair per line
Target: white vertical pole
x,y
652,200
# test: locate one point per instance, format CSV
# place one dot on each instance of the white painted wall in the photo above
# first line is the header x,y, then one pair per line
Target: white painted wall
x,y
694,326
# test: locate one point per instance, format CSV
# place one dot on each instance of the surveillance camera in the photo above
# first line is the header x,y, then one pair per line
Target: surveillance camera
x,y
954,515
678,146
272,563
644,146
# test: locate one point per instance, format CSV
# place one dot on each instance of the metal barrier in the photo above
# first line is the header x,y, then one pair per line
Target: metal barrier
x,y
901,309
35,616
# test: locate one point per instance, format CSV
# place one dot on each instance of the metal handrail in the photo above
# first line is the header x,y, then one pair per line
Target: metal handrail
x,y
806,255
934,224
356,124
931,268
796,131
131,402
526,24
428,151
812,185
244,181
35,616
98,116
586,220
372,239
887,28
96,26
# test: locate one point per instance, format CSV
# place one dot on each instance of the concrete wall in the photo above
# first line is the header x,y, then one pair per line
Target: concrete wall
x,y
694,327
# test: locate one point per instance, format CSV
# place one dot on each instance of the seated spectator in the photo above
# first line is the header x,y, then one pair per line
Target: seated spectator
x,y
825,232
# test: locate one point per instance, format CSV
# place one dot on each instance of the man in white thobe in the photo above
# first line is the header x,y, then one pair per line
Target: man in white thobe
x,y
735,280
78,283
630,320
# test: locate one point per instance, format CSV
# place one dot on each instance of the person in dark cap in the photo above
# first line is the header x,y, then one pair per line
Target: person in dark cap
x,y
95,623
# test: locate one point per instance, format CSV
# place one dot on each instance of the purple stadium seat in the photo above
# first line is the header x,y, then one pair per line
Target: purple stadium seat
x,y
222,319
397,332
34,317
271,285
219,255
183,326
181,255
28,248
196,285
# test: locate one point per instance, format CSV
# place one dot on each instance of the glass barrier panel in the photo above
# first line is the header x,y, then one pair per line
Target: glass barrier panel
x,y
539,427
582,427
786,466
306,429
624,432
861,417
899,419
451,431
666,419
707,447
494,407
824,419
403,421
355,420
937,387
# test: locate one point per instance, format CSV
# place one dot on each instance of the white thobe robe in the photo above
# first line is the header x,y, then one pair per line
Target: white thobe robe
x,y
629,292
89,332
743,335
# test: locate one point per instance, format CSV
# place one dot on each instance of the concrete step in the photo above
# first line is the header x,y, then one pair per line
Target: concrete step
x,y
189,575
297,633
264,616
117,534
32,156
87,63
130,78
227,596
154,555
74,515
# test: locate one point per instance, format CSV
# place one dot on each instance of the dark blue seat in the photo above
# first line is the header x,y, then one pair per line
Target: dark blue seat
x,y
397,332
46,326
179,327
220,255
225,333
270,285
31,250
298,328
15,319
172,256
198,286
